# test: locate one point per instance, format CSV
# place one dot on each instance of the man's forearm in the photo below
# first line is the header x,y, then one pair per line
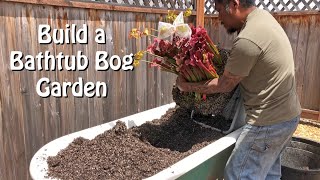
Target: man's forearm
x,y
225,83
209,87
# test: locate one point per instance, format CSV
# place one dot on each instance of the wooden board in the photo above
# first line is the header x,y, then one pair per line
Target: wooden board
x,y
310,114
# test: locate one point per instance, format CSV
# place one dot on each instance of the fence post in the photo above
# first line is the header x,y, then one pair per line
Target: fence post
x,y
319,113
200,12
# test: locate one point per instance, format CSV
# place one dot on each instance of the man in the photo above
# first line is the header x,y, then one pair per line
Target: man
x,y
261,61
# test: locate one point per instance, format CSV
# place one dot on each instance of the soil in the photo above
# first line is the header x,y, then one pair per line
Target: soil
x,y
213,105
224,53
217,121
134,153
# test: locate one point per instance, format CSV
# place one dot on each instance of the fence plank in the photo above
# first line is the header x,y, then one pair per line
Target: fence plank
x,y
293,29
13,123
5,156
63,17
311,81
79,17
200,12
107,77
300,60
34,107
52,120
319,114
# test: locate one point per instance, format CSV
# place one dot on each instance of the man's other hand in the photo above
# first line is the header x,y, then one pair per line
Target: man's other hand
x,y
181,83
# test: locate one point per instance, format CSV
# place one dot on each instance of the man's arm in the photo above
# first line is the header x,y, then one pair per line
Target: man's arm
x,y
243,57
226,83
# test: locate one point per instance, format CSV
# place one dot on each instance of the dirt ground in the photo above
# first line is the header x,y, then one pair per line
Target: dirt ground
x,y
308,128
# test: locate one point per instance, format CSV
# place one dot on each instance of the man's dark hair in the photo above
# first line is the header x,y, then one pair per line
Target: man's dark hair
x,y
243,3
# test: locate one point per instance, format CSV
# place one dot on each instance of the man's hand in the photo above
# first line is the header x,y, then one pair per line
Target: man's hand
x,y
181,83
226,83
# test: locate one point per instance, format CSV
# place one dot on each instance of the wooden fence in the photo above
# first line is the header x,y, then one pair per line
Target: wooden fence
x,y
28,121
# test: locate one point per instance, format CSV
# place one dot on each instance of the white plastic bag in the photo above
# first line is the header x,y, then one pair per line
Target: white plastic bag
x,y
178,28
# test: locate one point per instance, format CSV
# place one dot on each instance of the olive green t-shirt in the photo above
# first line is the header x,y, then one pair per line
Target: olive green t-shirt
x,y
262,54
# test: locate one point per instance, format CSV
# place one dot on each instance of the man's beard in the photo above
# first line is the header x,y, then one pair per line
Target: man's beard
x,y
232,30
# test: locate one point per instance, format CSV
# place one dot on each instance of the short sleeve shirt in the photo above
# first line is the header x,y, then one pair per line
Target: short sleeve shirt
x,y
262,54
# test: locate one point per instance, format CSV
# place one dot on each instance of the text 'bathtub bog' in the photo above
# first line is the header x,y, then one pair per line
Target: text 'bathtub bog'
x,y
59,61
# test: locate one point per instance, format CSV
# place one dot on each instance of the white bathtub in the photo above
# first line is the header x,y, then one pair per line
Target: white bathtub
x,y
209,161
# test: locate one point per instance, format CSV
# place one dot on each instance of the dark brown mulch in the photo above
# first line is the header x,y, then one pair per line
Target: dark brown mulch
x,y
136,153
214,103
217,121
